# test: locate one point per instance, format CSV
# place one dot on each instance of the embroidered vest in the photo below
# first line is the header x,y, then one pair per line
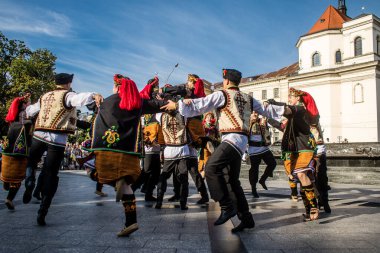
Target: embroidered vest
x,y
234,116
174,129
117,130
263,131
55,115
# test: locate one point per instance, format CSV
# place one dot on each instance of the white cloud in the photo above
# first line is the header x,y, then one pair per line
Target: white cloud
x,y
33,20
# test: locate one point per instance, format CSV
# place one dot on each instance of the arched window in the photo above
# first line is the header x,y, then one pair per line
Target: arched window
x,y
358,46
338,57
378,44
358,93
316,60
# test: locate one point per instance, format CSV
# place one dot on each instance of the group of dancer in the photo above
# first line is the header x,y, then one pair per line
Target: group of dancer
x,y
133,131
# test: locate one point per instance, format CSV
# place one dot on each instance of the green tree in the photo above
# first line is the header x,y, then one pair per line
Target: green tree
x,y
22,69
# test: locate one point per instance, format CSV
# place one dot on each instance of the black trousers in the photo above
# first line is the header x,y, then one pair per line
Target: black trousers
x,y
196,176
255,164
50,169
321,178
179,168
149,174
222,176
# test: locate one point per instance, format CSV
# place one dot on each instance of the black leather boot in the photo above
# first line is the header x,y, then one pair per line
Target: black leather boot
x,y
174,198
205,198
160,199
149,197
183,205
29,185
227,212
42,212
246,222
254,193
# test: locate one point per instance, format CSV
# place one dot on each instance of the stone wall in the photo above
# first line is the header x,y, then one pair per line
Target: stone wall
x,y
347,154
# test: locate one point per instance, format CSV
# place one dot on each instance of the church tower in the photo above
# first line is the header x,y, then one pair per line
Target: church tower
x,y
342,7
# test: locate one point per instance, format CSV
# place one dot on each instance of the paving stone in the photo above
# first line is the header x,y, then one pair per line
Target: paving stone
x,y
79,221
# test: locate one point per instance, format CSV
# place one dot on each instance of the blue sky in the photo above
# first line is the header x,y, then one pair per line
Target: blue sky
x,y
96,39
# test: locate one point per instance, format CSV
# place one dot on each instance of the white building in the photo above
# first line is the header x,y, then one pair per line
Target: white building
x,y
339,65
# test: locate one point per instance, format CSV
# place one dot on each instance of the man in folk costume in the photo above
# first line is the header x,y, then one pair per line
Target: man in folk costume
x,y
259,141
321,180
233,109
16,148
151,130
298,146
117,143
57,117
176,157
193,89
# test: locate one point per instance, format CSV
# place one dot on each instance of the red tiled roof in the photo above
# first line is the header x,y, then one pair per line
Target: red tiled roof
x,y
285,71
330,19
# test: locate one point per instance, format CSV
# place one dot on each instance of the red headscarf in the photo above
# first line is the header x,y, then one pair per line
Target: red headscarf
x,y
147,91
308,101
13,110
310,105
129,94
199,90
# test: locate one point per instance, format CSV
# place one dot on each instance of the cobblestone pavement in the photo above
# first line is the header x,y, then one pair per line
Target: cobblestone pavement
x,y
80,221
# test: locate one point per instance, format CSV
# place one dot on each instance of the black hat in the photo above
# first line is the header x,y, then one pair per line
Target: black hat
x,y
63,78
233,75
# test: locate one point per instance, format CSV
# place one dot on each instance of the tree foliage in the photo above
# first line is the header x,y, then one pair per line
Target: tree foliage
x,y
22,69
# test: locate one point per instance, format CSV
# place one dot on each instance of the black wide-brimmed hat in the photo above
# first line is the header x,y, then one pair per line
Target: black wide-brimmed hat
x,y
63,78
232,75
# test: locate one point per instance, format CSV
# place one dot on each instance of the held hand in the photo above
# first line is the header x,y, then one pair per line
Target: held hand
x,y
187,101
98,99
170,106
158,97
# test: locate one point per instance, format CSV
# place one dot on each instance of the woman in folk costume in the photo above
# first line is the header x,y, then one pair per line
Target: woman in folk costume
x,y
259,141
321,180
117,143
209,142
16,148
233,109
298,146
151,168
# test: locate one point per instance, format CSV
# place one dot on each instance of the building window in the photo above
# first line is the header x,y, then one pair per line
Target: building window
x,y
264,94
276,93
378,44
358,93
358,46
338,57
316,60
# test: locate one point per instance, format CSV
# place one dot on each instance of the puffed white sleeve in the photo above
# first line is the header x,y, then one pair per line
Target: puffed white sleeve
x,y
200,106
33,109
79,99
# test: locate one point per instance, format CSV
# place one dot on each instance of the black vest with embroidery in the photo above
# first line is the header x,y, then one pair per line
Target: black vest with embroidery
x,y
117,130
